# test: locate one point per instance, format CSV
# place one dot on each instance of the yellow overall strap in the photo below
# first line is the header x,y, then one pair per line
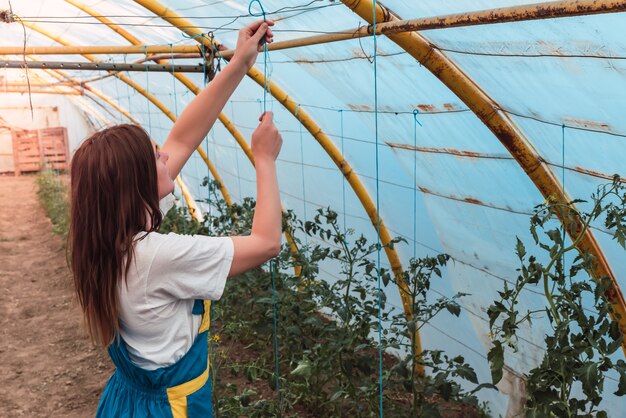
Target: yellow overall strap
x,y
206,317
177,395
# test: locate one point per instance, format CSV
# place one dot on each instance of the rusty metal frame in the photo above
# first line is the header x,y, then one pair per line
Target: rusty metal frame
x,y
499,123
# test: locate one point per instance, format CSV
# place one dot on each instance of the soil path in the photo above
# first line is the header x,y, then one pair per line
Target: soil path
x,y
48,368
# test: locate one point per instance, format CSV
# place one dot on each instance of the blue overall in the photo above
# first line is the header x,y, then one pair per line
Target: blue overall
x,y
181,390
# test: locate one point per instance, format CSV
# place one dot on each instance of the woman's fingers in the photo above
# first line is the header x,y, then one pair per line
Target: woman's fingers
x,y
260,32
269,116
254,26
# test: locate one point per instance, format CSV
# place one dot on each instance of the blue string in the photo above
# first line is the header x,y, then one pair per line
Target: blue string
x,y
414,183
272,267
380,321
206,139
176,118
563,223
147,99
187,36
306,240
174,82
265,57
343,177
232,117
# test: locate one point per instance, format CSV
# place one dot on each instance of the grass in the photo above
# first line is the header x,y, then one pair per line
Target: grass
x,y
53,197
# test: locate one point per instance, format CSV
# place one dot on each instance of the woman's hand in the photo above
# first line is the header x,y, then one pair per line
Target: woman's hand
x,y
266,140
250,40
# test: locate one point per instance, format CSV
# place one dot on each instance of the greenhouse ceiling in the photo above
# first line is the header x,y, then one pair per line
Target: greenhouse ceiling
x,y
466,116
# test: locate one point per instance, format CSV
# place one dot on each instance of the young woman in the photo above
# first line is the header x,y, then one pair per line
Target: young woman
x,y
142,292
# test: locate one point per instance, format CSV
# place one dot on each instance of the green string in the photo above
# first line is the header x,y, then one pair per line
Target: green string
x,y
272,266
380,321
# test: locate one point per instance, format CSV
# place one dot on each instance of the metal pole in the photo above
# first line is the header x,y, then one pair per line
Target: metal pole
x,y
101,66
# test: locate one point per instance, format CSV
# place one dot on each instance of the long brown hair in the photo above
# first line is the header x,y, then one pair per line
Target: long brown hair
x,y
114,195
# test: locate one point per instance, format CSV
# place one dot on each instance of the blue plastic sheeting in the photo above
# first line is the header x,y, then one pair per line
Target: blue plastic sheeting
x,y
446,184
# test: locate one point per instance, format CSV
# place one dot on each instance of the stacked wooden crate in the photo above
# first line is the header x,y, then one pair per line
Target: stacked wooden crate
x,y
34,150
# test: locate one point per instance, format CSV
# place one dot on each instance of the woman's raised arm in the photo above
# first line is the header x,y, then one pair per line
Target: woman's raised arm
x,y
202,112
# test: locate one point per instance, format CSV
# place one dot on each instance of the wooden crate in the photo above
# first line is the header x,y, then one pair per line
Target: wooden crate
x,y
34,150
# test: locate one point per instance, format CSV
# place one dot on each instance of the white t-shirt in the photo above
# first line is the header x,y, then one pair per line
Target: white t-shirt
x,y
169,272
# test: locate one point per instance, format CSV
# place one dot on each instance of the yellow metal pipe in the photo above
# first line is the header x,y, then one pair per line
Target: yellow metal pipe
x,y
103,19
39,91
61,75
186,26
98,50
37,84
488,111
193,209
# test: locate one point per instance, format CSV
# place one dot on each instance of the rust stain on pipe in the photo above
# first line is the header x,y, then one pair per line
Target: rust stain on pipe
x,y
449,151
478,155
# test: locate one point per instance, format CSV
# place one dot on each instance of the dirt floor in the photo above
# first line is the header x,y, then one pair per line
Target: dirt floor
x,y
48,368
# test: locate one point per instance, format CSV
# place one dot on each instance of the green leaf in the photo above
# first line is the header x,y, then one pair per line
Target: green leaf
x,y
304,368
336,395
521,251
445,390
454,308
496,361
467,373
588,375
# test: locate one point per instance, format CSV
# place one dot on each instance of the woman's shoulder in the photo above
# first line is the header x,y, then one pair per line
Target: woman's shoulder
x,y
155,240
171,244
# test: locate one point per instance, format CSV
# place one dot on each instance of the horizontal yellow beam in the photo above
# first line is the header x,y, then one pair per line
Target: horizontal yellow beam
x,y
536,11
37,84
25,90
97,50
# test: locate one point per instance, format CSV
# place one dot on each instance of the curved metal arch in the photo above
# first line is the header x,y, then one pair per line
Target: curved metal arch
x,y
188,198
60,75
316,131
498,122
